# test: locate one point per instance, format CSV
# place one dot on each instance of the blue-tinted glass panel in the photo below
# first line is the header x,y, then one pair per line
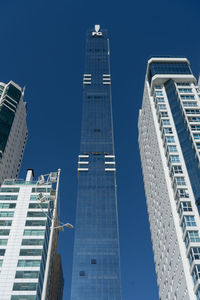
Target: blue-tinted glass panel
x,y
96,230
168,68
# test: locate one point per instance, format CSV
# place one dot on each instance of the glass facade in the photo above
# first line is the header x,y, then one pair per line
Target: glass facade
x,y
96,264
168,68
184,138
8,108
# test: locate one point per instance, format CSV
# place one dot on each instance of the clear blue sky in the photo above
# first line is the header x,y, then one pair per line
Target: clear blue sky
x,y
42,47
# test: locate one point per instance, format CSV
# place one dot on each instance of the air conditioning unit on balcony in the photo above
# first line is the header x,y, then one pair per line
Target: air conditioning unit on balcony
x,y
41,179
53,176
41,197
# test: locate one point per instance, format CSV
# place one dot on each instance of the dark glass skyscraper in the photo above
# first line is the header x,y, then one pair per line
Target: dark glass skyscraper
x,y
96,263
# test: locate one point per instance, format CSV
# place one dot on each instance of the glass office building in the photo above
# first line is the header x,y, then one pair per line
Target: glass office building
x,y
13,129
96,263
169,140
28,238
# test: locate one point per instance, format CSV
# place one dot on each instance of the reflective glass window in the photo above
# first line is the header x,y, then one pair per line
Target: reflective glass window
x,y
26,263
192,236
35,223
36,214
24,286
6,214
8,197
3,242
9,190
30,252
34,232
7,205
5,222
30,242
4,231
27,274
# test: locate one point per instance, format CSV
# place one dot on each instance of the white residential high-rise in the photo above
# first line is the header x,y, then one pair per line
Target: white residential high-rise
x,y
169,140
13,129
28,238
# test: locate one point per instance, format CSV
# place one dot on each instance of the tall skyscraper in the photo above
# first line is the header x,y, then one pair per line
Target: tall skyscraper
x,y
28,238
96,263
13,129
169,139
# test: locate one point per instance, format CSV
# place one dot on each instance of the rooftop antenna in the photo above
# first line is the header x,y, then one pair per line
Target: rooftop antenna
x,y
97,27
23,91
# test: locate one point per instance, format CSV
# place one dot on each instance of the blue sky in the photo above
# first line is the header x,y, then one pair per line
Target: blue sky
x,y
42,47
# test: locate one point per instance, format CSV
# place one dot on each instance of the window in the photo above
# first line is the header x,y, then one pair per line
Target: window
x,y
192,111
24,286
27,274
188,221
5,222
31,242
97,130
163,114
162,106
30,252
6,214
195,127
2,252
167,130
183,84
166,122
38,205
196,136
192,236
35,223
196,273
93,261
26,263
160,100
182,193
82,273
4,231
174,158
170,139
158,87
184,206
198,146
40,190
3,242
177,169
1,262
193,119
172,148
180,180
187,97
36,214
190,104
194,254
34,232
159,93
7,205
185,90
8,197
9,190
